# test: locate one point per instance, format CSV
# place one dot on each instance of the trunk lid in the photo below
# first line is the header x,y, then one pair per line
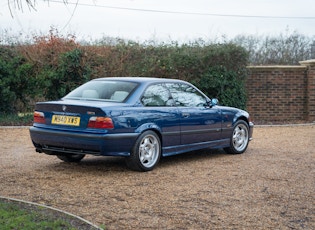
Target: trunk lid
x,y
71,114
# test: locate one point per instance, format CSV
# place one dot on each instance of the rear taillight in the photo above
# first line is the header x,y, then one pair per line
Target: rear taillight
x,y
100,123
39,117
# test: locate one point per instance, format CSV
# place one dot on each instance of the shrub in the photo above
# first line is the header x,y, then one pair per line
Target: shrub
x,y
224,74
218,69
224,84
15,82
70,72
55,65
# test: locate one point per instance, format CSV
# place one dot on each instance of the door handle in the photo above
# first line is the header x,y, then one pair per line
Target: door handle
x,y
186,115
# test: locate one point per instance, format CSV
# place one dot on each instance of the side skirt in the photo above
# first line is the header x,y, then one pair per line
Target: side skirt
x,y
174,150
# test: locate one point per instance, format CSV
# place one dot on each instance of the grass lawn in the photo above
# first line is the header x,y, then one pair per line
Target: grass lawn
x,y
16,215
13,216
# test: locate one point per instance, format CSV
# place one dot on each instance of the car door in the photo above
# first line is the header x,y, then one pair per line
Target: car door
x,y
159,108
200,123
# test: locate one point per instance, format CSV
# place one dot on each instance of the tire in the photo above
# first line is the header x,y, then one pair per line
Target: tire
x,y
146,152
71,157
239,138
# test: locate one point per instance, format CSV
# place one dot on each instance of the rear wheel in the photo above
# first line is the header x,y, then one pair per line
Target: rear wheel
x,y
71,157
146,152
239,139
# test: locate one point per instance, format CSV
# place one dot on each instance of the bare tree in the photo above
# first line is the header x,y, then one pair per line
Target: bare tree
x,y
19,4
285,48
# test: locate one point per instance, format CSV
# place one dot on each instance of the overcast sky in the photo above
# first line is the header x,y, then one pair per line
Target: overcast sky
x,y
161,19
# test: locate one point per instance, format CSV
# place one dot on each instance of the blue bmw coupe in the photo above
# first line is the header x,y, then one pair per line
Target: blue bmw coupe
x,y
141,119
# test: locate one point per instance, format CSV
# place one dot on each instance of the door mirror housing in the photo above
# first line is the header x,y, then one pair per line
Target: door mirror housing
x,y
214,101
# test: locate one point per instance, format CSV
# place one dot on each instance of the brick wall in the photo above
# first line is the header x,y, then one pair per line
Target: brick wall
x,y
310,104
281,93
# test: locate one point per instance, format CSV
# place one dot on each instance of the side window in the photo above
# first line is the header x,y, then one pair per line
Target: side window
x,y
157,95
186,95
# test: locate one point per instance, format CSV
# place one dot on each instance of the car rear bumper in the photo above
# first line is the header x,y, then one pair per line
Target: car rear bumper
x,y
53,141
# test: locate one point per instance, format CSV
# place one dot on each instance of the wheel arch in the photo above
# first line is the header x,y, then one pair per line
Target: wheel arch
x,y
151,127
241,116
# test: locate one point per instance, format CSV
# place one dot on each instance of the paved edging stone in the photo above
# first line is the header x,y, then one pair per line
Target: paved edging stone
x,y
285,125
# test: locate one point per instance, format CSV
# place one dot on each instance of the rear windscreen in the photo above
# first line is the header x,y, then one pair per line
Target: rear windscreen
x,y
117,91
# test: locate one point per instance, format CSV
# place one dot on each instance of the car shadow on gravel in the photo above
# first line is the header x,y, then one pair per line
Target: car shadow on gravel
x,y
191,157
91,164
117,164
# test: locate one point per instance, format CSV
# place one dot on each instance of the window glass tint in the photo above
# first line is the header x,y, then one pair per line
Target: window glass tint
x,y
186,95
157,95
103,90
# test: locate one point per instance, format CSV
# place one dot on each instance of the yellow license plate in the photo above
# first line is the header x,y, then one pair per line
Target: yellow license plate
x,y
65,120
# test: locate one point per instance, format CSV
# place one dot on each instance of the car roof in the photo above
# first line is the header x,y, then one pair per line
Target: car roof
x,y
140,79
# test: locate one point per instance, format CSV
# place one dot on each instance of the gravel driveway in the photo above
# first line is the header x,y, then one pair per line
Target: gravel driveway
x,y
270,186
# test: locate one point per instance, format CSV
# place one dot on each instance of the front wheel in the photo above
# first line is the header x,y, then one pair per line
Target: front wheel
x,y
146,152
239,139
71,157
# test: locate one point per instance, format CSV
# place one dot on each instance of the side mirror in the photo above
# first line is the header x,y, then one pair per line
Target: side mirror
x,y
214,101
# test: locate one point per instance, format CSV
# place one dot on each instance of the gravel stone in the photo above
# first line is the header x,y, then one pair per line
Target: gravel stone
x,y
270,186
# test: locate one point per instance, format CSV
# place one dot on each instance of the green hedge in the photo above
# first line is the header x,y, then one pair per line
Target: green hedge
x,y
51,68
16,82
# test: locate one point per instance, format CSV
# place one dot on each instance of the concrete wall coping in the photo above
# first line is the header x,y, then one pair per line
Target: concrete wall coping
x,y
308,62
273,67
303,65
